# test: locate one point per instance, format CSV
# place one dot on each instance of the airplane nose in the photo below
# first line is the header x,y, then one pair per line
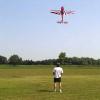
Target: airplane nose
x,y
62,8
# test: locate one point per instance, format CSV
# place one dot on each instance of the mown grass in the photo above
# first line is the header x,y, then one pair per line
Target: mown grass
x,y
36,83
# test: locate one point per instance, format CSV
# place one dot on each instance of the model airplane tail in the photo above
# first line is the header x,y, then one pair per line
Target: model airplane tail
x,y
60,22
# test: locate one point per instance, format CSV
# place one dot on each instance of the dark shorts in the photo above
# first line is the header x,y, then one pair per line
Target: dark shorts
x,y
57,79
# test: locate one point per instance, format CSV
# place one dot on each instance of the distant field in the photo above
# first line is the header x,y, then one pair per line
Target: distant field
x,y
36,83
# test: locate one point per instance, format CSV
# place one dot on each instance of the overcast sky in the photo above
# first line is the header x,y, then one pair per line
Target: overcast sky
x,y
27,28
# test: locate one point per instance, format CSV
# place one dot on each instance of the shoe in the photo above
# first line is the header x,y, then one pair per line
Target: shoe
x,y
55,90
60,91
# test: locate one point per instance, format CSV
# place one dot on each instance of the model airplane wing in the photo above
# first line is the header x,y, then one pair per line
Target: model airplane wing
x,y
69,12
55,12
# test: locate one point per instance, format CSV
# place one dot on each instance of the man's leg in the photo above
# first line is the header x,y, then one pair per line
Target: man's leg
x,y
60,87
55,86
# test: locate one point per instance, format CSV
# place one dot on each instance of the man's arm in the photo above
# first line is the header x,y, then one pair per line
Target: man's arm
x,y
53,71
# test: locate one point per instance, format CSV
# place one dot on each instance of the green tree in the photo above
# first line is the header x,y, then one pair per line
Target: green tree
x,y
15,60
3,60
62,57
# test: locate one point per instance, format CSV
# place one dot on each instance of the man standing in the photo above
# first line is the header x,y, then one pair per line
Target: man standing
x,y
57,72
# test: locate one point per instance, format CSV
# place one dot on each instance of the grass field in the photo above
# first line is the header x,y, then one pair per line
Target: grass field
x,y
36,83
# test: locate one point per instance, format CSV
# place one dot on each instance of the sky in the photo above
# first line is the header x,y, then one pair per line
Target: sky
x,y
28,29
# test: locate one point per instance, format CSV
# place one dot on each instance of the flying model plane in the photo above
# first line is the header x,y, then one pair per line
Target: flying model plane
x,y
62,12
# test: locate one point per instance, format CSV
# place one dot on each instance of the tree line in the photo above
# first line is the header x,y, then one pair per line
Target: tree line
x,y
62,59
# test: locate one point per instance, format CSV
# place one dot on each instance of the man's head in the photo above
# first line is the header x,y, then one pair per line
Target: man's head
x,y
58,64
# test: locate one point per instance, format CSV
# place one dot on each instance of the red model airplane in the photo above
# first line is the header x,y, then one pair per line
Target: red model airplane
x,y
62,12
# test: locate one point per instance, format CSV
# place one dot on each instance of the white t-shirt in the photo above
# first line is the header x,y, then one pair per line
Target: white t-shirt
x,y
57,72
